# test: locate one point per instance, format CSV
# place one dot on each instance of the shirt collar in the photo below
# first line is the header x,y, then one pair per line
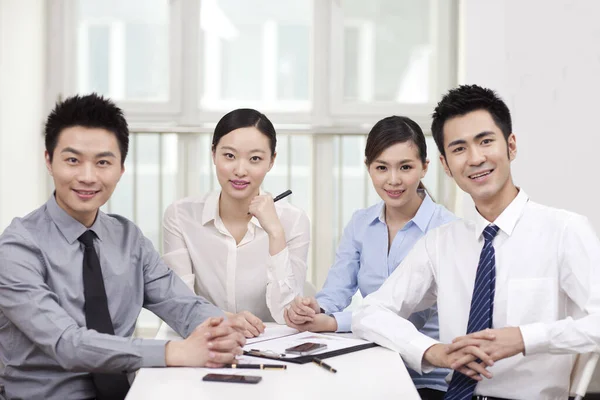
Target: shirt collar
x,y
70,228
211,209
507,220
377,213
421,218
424,213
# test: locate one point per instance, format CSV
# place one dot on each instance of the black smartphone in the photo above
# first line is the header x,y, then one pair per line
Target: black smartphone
x,y
305,349
231,378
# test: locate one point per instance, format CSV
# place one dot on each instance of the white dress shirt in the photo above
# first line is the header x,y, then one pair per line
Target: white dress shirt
x,y
547,283
236,277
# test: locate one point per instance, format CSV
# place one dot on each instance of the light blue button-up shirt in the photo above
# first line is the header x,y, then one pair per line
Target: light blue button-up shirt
x,y
362,262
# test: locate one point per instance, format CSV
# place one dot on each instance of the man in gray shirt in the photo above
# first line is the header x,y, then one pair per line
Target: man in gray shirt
x,y
68,266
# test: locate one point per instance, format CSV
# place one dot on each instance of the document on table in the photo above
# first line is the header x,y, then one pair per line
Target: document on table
x,y
278,345
272,332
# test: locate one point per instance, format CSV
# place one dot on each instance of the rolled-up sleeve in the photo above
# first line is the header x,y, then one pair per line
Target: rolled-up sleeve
x,y
286,270
342,278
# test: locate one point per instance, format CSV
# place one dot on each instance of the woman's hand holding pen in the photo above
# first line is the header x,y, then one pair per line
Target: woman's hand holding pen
x,y
263,208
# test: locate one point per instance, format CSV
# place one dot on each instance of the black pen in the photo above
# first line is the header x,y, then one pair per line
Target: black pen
x,y
255,366
320,362
282,195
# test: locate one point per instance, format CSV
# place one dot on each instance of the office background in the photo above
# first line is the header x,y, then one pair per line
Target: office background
x,y
324,71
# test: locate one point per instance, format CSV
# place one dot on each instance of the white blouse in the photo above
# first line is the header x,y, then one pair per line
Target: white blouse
x,y
236,277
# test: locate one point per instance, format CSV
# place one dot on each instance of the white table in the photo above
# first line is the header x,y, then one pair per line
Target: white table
x,y
375,373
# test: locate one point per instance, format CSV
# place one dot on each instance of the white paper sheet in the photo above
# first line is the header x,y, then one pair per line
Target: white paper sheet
x,y
278,346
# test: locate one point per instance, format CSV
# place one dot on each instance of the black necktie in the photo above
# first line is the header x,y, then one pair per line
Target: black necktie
x,y
97,316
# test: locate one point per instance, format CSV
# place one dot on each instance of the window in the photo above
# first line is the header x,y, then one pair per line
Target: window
x,y
387,51
324,71
391,56
257,53
123,49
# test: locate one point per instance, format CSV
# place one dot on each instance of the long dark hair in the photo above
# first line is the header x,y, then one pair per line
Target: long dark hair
x,y
392,130
244,118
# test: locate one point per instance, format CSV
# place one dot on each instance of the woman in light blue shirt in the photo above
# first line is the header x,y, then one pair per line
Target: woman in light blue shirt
x,y
377,239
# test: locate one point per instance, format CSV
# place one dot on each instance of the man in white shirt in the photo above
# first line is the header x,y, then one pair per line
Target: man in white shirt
x,y
518,288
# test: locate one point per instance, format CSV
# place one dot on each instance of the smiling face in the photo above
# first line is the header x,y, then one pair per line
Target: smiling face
x,y
396,174
85,166
478,157
242,159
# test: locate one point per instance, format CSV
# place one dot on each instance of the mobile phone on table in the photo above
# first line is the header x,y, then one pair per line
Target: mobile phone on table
x,y
305,349
232,378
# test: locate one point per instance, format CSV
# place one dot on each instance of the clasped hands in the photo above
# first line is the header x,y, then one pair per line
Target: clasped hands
x,y
215,342
304,314
489,346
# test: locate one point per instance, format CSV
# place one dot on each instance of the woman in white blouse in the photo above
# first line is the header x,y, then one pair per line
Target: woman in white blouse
x,y
235,246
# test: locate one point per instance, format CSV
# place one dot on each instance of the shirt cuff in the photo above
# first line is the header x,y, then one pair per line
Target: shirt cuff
x,y
153,353
416,359
344,321
535,338
276,267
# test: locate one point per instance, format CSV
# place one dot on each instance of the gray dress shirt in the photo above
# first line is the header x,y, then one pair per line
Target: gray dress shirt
x,y
45,348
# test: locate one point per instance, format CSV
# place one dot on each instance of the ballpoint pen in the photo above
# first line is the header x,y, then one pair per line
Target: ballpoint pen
x,y
282,195
320,363
255,366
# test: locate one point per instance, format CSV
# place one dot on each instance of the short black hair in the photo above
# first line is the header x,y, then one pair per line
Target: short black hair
x,y
89,111
244,118
463,100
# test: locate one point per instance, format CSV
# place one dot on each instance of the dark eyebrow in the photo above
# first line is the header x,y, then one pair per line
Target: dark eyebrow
x,y
484,134
251,151
106,154
405,161
381,162
79,153
71,150
480,135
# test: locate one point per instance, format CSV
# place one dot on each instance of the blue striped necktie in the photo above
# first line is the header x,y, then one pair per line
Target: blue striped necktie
x,y
482,309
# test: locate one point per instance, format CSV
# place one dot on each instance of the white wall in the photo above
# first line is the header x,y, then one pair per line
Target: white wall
x,y
543,57
22,71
